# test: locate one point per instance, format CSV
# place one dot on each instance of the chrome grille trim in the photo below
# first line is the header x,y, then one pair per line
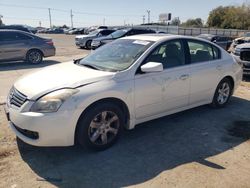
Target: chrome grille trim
x,y
16,98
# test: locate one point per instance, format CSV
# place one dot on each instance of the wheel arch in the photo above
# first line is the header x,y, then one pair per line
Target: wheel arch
x,y
120,103
230,78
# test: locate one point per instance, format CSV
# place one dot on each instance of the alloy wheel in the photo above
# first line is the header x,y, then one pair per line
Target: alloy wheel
x,y
104,128
223,93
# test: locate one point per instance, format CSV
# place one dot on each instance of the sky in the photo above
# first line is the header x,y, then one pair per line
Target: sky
x,y
100,12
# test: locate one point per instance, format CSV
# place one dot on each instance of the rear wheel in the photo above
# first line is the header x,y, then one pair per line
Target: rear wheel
x,y
34,57
100,127
223,93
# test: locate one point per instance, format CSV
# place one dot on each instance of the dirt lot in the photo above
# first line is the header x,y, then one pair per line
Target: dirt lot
x,y
202,147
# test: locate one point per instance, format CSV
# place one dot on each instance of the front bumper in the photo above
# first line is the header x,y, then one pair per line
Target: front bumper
x,y
51,129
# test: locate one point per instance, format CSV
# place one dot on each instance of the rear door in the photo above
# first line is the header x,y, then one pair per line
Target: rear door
x,y
205,71
13,45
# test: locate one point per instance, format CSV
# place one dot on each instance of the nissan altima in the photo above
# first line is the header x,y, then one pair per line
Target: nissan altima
x,y
129,81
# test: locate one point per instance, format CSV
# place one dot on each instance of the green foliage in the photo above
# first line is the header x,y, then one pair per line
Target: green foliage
x,y
233,17
175,22
193,23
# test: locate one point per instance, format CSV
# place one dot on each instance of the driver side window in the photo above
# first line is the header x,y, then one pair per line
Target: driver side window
x,y
170,54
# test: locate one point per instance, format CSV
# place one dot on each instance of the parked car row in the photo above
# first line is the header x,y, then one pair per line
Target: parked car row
x,y
100,37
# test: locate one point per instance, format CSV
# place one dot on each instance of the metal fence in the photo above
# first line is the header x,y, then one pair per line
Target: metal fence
x,y
191,31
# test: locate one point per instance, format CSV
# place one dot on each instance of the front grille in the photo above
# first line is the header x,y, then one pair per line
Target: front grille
x,y
16,98
245,56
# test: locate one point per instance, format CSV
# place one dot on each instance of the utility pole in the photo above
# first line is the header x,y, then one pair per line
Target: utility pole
x,y
71,17
40,24
143,19
104,20
50,19
1,21
148,11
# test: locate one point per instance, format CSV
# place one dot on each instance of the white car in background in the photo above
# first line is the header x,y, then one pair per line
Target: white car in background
x,y
129,81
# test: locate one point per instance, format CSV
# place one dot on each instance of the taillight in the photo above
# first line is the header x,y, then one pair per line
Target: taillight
x,y
50,43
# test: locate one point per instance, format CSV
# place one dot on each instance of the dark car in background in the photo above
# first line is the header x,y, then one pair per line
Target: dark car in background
x,y
84,41
96,43
16,27
223,41
18,45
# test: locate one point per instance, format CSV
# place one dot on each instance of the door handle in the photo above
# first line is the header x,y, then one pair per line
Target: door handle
x,y
184,77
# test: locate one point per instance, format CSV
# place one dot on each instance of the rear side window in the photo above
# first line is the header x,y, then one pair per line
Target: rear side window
x,y
106,32
202,52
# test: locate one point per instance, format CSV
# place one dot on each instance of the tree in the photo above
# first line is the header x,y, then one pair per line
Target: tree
x,y
198,22
175,21
230,17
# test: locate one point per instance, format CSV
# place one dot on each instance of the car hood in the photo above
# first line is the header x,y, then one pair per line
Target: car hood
x,y
243,38
245,45
84,36
58,76
104,38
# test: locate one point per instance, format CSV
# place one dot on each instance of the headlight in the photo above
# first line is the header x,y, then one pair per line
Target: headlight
x,y
52,101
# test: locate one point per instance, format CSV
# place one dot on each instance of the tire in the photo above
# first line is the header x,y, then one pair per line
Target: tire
x,y
88,44
34,57
223,93
94,124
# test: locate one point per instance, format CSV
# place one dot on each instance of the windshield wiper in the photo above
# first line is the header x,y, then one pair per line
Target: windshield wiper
x,y
76,61
91,66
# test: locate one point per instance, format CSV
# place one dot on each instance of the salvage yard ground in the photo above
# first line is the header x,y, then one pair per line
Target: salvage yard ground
x,y
202,147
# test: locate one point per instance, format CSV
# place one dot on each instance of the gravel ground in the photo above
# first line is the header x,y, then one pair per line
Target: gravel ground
x,y
201,147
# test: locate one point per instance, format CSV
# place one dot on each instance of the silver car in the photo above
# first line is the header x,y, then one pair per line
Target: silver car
x,y
18,45
84,41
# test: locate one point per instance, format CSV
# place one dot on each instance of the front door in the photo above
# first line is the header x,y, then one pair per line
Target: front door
x,y
158,93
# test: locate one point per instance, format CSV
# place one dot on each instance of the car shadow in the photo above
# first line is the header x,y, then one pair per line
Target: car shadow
x,y
19,65
143,153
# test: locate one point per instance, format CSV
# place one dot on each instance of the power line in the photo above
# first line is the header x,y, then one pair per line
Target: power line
x,y
66,11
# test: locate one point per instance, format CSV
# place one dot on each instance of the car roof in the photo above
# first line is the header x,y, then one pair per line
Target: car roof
x,y
162,37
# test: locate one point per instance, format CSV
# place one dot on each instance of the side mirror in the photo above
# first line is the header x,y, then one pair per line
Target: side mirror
x,y
152,67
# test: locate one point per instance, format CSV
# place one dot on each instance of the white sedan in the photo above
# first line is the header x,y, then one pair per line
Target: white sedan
x,y
124,83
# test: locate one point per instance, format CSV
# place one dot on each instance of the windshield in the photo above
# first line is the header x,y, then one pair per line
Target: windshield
x,y
116,56
118,33
95,32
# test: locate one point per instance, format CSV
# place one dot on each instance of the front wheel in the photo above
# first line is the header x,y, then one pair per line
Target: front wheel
x,y
100,127
88,44
223,93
